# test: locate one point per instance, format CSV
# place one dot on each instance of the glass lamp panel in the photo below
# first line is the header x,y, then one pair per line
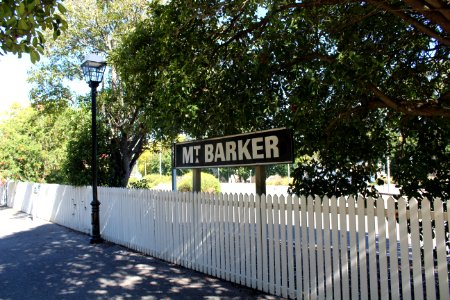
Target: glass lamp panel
x,y
93,70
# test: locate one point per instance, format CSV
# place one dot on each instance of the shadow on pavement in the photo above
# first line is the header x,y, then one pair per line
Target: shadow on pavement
x,y
53,262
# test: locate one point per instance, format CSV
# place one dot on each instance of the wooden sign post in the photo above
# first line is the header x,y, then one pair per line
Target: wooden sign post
x,y
260,180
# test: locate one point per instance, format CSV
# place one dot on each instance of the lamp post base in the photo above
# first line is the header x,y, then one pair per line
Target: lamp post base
x,y
96,240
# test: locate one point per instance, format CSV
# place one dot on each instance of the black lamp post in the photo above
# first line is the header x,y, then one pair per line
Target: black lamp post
x,y
93,69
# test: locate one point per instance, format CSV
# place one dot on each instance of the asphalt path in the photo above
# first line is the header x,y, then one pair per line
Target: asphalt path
x,y
41,260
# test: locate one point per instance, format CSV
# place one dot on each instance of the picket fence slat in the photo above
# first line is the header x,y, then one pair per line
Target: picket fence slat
x,y
393,252
298,258
304,243
383,267
417,261
442,265
183,233
170,232
221,241
174,225
177,228
247,245
160,236
226,245
260,245
373,268
312,246
237,237
362,250
233,236
327,246
223,267
184,230
195,249
344,248
192,231
254,244
226,260
211,234
264,242
240,251
206,234
240,267
319,242
214,234
335,249
353,258
289,246
230,235
271,246
200,242
405,267
283,242
276,243
428,250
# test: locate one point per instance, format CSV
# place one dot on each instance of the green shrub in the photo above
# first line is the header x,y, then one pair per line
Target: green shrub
x,y
209,184
134,183
148,182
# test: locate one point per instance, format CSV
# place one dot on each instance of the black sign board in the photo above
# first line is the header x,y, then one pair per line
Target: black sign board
x,y
257,148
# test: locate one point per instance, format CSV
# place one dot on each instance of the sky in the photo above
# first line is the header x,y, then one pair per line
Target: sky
x,y
13,80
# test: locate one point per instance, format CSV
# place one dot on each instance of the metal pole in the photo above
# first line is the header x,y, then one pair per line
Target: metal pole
x,y
95,204
174,171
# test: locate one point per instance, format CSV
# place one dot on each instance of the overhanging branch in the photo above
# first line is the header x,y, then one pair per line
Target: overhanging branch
x,y
412,108
438,15
419,26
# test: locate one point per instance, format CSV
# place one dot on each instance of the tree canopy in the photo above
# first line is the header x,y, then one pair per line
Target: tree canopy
x,y
22,23
35,144
357,82
96,26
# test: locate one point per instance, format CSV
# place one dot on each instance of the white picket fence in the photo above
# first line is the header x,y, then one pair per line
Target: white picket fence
x,y
294,247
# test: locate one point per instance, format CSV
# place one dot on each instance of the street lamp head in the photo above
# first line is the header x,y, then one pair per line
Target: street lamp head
x,y
93,68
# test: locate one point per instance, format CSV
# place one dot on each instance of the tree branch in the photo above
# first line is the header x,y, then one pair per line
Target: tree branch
x,y
444,97
234,20
419,26
412,108
440,6
428,108
264,21
436,14
305,58
344,116
384,98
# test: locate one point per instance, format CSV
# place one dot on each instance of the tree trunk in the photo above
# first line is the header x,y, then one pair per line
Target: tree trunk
x,y
124,157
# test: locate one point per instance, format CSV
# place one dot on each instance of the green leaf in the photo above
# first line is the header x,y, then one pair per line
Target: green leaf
x,y
22,25
21,9
61,8
34,56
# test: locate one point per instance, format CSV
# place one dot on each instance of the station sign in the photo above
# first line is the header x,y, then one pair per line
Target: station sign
x,y
257,148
